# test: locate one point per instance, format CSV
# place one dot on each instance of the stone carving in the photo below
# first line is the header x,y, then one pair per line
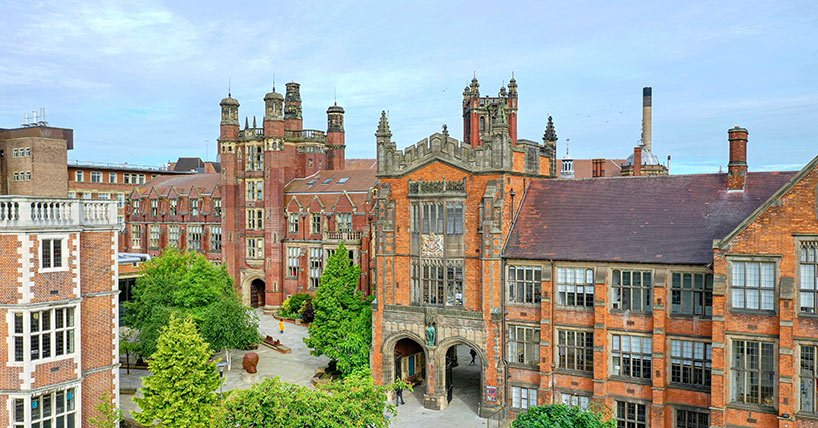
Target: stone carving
x,y
431,245
431,335
250,362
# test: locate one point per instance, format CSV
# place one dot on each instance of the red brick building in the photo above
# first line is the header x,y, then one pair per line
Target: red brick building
x,y
444,210
675,301
178,211
58,303
289,197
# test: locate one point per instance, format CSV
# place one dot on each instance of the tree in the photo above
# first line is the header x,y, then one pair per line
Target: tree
x,y
353,402
562,416
108,416
180,392
188,284
342,327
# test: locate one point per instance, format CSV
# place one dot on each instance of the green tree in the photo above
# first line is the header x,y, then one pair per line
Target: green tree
x,y
187,284
180,392
562,416
342,327
353,402
108,416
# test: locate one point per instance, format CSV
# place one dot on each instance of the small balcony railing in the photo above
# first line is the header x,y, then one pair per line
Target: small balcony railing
x,y
46,213
343,236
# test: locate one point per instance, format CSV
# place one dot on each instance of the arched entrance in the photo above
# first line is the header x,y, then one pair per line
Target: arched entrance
x,y
409,361
257,293
463,377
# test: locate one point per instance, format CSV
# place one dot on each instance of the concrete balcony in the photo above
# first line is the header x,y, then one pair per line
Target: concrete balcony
x,y
30,213
348,237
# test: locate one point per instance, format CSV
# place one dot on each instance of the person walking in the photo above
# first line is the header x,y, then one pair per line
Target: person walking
x,y
281,326
399,394
473,354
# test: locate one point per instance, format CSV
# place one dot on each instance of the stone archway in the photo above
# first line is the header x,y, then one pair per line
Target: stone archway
x,y
461,383
397,352
257,295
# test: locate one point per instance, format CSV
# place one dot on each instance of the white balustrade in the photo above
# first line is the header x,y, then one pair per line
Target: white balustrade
x,y
48,213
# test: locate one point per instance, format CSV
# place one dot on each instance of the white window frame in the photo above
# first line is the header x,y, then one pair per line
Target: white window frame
x,y
523,397
573,282
72,408
255,248
255,218
79,176
96,177
68,333
136,236
583,401
316,266
154,234
528,346
293,261
215,239
112,178
63,253
739,285
194,237
807,259
173,235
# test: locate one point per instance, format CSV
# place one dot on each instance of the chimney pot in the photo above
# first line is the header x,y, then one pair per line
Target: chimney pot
x,y
737,167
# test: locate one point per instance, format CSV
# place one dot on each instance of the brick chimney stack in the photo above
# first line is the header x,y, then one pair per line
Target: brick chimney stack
x,y
637,160
737,168
598,168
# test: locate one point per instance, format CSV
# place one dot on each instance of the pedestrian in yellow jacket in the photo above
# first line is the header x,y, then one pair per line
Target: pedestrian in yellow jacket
x,y
281,326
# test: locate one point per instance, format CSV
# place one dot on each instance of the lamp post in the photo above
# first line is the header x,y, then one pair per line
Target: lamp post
x,y
221,366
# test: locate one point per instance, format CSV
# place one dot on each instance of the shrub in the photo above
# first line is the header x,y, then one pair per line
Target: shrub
x,y
291,307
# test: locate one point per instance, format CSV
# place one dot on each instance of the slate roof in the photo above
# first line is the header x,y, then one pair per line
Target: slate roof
x,y
357,180
655,219
184,184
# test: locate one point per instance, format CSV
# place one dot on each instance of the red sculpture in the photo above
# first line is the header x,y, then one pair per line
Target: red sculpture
x,y
249,362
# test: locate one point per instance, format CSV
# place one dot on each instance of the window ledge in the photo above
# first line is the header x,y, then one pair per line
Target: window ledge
x,y
738,311
532,305
686,387
570,372
808,316
52,270
524,366
691,317
806,415
576,308
634,380
629,312
752,407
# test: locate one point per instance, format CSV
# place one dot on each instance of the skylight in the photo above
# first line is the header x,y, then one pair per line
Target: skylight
x,y
327,181
343,180
311,182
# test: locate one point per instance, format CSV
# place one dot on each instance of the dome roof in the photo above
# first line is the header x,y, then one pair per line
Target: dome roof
x,y
648,158
229,101
335,108
273,96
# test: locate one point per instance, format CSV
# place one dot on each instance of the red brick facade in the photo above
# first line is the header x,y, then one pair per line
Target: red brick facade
x,y
59,309
275,179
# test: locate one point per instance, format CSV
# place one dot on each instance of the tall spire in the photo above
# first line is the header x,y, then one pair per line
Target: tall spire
x,y
383,127
246,122
254,121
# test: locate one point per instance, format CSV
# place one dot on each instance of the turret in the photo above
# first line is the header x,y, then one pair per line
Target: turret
x,y
336,140
383,136
550,142
292,108
273,114
229,127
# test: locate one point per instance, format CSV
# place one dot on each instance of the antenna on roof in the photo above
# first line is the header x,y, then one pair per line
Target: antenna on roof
x,y
274,82
229,81
34,119
335,95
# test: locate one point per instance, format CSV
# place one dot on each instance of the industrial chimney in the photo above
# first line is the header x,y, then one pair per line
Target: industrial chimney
x,y
647,95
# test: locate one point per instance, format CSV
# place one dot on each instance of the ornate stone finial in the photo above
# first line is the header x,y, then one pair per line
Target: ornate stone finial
x,y
501,120
383,127
503,90
246,122
254,122
445,133
550,132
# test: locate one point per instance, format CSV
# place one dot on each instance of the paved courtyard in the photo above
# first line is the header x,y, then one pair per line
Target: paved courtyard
x,y
462,410
299,366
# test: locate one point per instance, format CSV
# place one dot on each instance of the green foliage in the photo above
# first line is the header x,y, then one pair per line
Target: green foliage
x,y
180,390
562,416
291,308
352,402
342,328
108,416
307,312
189,285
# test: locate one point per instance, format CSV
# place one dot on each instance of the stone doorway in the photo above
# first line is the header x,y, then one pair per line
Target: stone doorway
x,y
410,362
257,293
464,378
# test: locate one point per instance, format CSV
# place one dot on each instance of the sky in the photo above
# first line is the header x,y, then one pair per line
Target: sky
x,y
140,81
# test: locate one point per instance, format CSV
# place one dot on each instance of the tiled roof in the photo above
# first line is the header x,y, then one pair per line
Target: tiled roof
x,y
350,180
359,164
183,184
657,219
